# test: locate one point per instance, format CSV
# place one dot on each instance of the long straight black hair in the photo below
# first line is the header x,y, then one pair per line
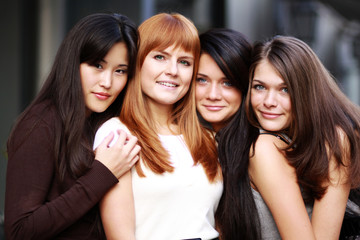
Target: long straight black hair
x,y
231,51
88,41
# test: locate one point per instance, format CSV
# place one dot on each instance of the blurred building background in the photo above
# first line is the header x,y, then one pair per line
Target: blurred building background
x,y
31,31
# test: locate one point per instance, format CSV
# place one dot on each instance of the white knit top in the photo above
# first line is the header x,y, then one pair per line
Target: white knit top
x,y
177,205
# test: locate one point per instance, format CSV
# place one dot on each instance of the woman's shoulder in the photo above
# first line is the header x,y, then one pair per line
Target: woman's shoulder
x,y
43,113
267,152
282,136
112,122
268,165
268,141
111,125
38,123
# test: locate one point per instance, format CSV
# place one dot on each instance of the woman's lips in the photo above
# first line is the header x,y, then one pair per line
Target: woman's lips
x,y
101,95
213,107
269,115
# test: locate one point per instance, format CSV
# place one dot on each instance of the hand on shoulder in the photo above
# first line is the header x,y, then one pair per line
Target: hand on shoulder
x,y
115,147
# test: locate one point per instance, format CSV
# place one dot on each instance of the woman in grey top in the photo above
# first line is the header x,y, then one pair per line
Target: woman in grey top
x,y
290,93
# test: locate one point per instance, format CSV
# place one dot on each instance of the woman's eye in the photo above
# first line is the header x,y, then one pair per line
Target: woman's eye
x,y
258,87
159,57
201,80
228,84
121,71
285,90
184,62
98,65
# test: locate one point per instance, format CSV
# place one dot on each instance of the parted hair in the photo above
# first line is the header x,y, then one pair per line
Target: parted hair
x,y
231,51
157,33
319,110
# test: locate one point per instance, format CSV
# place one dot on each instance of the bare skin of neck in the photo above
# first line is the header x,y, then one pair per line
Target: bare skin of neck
x,y
161,115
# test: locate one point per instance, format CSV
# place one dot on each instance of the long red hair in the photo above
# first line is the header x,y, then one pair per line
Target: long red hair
x,y
157,33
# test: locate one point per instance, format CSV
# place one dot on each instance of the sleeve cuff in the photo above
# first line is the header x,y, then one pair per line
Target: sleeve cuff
x,y
99,179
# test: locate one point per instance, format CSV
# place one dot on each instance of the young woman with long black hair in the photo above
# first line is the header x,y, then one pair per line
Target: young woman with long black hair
x,y
54,180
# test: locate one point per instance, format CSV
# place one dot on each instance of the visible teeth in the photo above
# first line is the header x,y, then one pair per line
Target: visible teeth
x,y
167,84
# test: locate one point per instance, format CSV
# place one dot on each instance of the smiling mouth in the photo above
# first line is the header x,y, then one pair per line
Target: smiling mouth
x,y
269,115
168,84
213,108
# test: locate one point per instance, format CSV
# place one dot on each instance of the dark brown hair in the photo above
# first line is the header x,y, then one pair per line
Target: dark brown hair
x,y
319,110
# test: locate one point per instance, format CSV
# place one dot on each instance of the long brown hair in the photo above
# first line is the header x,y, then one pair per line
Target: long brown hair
x,y
319,110
159,32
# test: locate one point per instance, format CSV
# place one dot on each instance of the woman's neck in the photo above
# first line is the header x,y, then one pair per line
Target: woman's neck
x,y
161,115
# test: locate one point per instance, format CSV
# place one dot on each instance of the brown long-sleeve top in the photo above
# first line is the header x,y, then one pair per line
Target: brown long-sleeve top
x,y
37,204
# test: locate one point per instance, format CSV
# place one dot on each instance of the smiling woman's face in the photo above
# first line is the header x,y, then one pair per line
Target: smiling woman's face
x,y
166,75
270,99
217,100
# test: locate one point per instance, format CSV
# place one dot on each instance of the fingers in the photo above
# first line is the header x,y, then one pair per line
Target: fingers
x,y
122,136
107,140
134,155
119,151
133,161
132,147
131,141
117,138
